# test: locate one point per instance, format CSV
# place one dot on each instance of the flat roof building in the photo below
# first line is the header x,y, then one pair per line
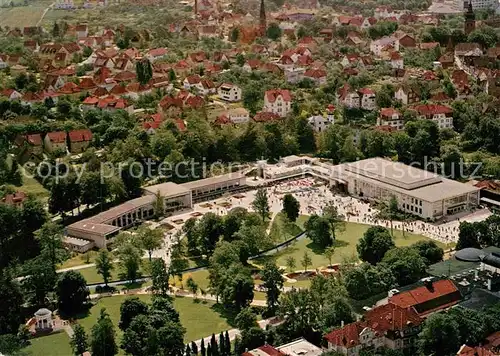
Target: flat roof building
x,y
417,191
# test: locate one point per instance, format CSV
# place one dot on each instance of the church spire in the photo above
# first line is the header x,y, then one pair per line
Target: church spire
x,y
470,19
263,23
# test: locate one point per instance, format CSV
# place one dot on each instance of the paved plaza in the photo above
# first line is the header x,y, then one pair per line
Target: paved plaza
x,y
313,195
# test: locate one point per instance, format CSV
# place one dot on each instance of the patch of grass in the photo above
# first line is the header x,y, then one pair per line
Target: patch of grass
x,y
345,247
80,259
282,229
200,318
53,345
31,185
200,277
91,276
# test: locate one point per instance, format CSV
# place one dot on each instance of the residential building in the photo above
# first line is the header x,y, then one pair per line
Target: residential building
x,y
55,141
320,123
278,101
229,92
478,4
474,351
396,60
377,47
294,75
418,192
407,95
429,298
367,97
79,140
239,115
348,97
299,347
384,326
440,114
390,117
318,76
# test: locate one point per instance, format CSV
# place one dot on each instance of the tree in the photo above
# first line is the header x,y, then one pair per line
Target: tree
x,y
376,241
291,263
246,319
306,261
210,228
192,286
273,282
150,239
103,336
261,203
144,71
334,218
140,337
274,31
72,292
203,351
50,239
406,264
367,280
329,252
191,232
429,251
39,281
291,207
251,339
468,235
129,309
104,265
130,261
159,277
439,336
318,230
194,348
10,312
336,312
235,34
79,342
392,211
236,287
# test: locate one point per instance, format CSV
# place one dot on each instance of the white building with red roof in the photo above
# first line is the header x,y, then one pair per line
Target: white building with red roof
x,y
390,117
440,114
278,101
229,92
367,99
55,141
318,76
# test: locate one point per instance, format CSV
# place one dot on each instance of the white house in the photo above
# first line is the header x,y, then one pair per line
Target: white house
x,y
11,94
348,97
156,54
390,117
320,123
278,101
239,115
294,75
440,114
202,86
318,76
384,43
229,92
367,97
396,60
3,61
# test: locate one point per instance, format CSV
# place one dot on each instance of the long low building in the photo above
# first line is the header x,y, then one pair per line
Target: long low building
x,y
102,227
417,191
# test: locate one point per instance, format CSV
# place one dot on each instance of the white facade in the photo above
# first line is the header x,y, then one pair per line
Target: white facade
x,y
479,4
294,75
377,46
443,121
351,100
368,101
282,103
229,92
320,123
239,115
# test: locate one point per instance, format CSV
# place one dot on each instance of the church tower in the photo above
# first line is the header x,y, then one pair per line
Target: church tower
x,y
470,19
263,23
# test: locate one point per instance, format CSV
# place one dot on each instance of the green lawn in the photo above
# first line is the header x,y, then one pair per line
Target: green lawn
x,y
345,247
53,345
80,259
32,186
91,276
199,318
282,230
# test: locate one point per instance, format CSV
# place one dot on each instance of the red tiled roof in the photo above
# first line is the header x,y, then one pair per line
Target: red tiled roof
x,y
87,83
391,317
315,73
348,336
13,199
193,79
265,116
432,109
91,100
264,350
181,125
474,351
157,52
83,135
388,112
57,137
272,95
35,139
124,76
366,91
421,295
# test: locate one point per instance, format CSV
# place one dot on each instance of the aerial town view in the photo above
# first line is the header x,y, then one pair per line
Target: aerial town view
x,y
249,177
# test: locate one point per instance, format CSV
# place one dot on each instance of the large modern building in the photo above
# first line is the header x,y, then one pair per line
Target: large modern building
x,y
100,229
417,191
